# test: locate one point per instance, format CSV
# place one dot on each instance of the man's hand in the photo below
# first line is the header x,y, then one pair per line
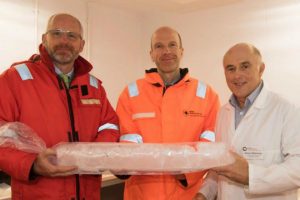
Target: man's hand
x,y
238,171
42,165
199,196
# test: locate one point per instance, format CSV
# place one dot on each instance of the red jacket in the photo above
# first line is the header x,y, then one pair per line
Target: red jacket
x,y
32,93
150,113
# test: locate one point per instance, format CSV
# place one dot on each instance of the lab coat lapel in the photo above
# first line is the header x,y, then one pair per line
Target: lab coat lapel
x,y
239,133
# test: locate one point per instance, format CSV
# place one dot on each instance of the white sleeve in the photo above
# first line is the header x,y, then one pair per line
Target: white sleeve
x,y
280,177
209,187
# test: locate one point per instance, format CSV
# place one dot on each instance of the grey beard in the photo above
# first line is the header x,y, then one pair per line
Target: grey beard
x,y
58,59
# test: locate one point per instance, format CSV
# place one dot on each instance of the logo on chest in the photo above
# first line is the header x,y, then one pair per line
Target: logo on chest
x,y
192,113
253,153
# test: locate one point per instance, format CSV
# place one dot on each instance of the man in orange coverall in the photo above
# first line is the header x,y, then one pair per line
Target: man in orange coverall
x,y
166,106
71,110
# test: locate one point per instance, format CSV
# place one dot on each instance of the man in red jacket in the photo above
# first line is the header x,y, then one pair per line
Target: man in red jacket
x,y
58,110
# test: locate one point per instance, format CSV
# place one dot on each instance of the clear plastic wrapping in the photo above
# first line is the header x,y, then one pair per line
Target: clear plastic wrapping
x,y
121,158
19,136
127,158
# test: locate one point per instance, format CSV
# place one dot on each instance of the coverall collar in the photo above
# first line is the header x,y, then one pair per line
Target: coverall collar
x,y
153,77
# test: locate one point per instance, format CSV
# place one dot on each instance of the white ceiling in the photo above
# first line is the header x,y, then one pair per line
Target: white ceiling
x,y
180,6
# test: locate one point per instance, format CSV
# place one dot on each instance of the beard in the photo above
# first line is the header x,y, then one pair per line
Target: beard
x,y
63,54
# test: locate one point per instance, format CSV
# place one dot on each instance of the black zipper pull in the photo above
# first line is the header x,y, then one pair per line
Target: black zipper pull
x,y
70,137
76,137
59,82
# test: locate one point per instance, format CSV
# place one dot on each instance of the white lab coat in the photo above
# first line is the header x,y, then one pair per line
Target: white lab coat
x,y
269,138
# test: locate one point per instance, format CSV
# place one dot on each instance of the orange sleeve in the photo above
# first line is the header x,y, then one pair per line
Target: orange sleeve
x,y
108,115
124,112
213,108
210,121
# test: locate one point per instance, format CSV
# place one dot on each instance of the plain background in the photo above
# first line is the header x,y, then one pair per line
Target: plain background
x,y
118,38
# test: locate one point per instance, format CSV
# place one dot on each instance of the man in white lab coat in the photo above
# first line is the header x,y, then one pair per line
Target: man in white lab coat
x,y
263,131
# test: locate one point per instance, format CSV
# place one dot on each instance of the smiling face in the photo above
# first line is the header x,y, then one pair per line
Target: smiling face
x,y
166,50
243,70
63,40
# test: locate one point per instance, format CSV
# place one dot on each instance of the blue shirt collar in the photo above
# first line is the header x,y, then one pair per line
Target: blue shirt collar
x,y
250,99
70,74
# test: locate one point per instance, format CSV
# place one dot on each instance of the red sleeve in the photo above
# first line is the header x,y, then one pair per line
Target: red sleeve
x,y
109,125
14,162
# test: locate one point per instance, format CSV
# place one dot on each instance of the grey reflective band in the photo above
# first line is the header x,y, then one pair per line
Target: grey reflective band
x,y
208,135
108,126
136,138
23,71
93,81
133,89
201,90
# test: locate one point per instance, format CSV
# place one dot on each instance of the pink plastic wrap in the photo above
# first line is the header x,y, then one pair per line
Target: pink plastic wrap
x,y
19,136
127,158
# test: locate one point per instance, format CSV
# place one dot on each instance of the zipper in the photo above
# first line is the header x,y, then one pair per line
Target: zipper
x,y
73,135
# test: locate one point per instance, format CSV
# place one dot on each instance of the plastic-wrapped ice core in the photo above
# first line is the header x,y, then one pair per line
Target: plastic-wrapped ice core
x,y
147,158
121,158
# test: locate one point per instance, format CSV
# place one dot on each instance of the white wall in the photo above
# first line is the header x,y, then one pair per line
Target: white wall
x,y
113,37
22,23
17,31
271,25
115,43
118,40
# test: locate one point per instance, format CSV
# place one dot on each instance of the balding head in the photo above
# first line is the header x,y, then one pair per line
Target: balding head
x,y
164,29
64,18
244,46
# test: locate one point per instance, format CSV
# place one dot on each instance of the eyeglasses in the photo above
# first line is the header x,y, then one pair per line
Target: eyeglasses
x,y
58,33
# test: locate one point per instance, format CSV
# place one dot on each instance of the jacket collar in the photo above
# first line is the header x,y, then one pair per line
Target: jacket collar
x,y
153,77
81,65
261,100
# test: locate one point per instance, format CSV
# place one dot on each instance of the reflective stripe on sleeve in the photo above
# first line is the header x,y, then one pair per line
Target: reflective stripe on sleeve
x,y
24,72
208,135
133,137
108,126
143,115
93,81
201,90
133,89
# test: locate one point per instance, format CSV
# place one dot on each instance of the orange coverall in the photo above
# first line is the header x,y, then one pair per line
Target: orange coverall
x,y
149,112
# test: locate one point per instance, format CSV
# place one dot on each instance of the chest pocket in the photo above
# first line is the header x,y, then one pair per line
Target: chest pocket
x,y
89,95
195,109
